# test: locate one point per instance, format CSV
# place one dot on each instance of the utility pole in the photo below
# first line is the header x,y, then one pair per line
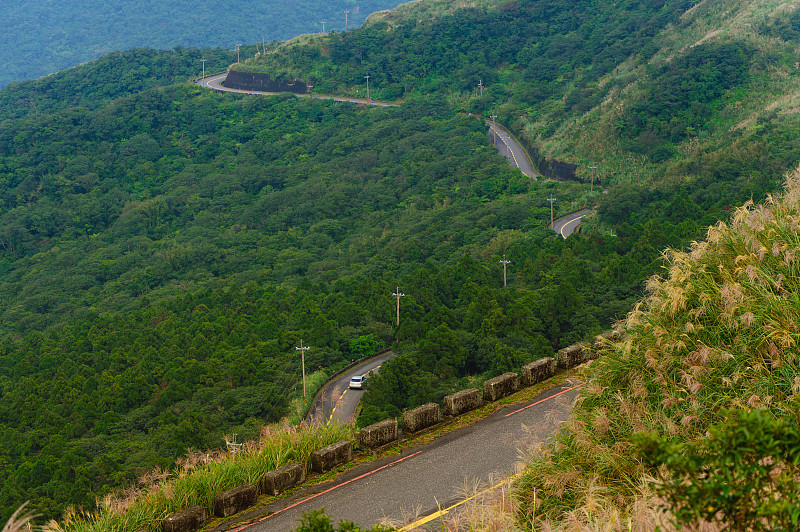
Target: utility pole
x,y
203,60
263,45
494,130
345,19
367,78
551,199
591,189
323,26
480,86
303,358
237,52
398,295
504,262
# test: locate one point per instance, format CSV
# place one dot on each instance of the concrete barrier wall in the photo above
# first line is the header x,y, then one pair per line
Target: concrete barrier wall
x,y
571,356
463,401
283,478
235,500
335,454
537,371
188,520
501,386
421,417
378,434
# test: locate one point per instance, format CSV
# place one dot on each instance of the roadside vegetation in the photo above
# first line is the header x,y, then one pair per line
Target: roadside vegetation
x,y
198,477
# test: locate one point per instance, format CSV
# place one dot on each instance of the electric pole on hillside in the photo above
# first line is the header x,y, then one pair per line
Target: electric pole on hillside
x,y
367,78
551,199
398,295
237,52
480,86
203,60
303,358
504,262
494,130
323,26
345,19
591,189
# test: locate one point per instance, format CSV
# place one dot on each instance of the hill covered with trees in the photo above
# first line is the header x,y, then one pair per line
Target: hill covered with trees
x,y
163,248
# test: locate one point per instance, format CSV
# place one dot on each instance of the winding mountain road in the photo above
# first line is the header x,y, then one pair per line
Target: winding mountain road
x,y
404,488
510,149
502,139
216,82
567,225
336,400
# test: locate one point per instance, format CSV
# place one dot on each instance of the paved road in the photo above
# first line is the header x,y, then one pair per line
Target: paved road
x,y
336,400
403,488
216,82
567,225
509,148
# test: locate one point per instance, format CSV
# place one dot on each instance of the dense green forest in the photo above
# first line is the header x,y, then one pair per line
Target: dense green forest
x,y
163,248
44,37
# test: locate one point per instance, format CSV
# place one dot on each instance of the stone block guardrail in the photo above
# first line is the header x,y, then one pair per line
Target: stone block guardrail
x,y
385,432
461,402
499,387
331,456
378,434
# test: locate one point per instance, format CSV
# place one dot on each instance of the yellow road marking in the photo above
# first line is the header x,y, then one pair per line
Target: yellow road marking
x,y
337,402
571,221
440,513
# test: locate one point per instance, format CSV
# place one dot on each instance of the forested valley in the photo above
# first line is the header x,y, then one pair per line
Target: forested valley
x,y
164,248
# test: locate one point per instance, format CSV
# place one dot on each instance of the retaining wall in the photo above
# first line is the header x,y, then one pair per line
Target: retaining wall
x,y
253,81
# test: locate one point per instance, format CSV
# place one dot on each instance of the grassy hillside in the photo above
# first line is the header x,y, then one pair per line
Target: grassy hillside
x,y
714,339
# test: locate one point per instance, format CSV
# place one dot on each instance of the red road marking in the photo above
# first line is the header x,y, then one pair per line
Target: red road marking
x,y
543,400
327,491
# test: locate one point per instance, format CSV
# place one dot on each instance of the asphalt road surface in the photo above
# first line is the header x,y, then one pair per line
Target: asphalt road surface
x,y
402,489
510,149
336,400
567,225
216,82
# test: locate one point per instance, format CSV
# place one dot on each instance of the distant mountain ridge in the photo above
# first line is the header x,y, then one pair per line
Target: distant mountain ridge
x,y
44,37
